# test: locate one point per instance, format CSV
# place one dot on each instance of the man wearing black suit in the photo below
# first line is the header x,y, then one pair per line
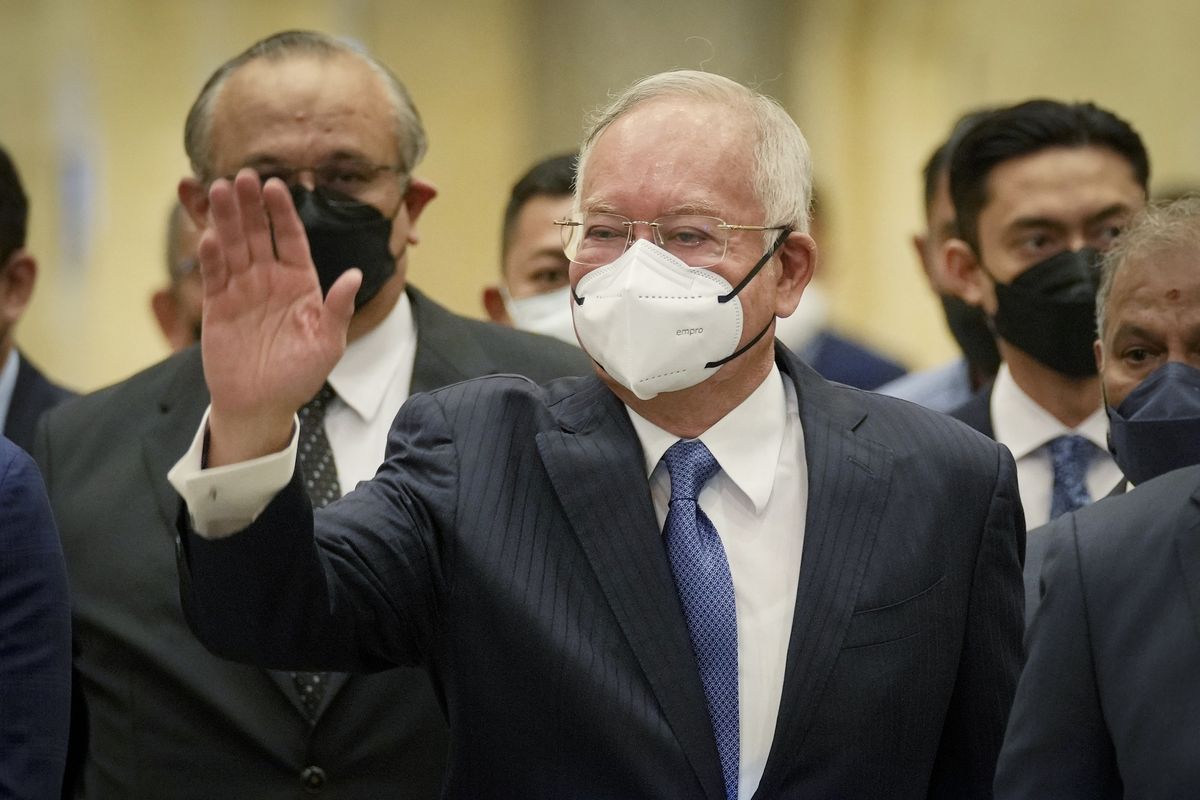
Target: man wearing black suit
x,y
168,719
815,592
24,391
1039,189
35,635
1107,705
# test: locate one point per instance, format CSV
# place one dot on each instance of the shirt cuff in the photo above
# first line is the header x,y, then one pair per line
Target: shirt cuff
x,y
223,500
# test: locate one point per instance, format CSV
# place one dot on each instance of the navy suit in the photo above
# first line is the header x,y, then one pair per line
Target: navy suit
x,y
33,394
509,544
1109,703
35,635
167,719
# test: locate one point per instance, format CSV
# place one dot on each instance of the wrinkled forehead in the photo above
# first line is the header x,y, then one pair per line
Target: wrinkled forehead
x,y
676,151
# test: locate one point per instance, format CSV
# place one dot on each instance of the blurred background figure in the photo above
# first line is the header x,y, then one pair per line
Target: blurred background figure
x,y
532,293
949,385
177,305
24,391
808,332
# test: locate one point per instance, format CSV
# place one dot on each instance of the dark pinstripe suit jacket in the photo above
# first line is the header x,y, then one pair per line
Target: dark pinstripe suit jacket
x,y
509,544
168,719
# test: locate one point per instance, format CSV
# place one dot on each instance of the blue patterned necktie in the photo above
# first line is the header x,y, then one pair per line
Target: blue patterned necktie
x,y
705,588
321,482
1070,456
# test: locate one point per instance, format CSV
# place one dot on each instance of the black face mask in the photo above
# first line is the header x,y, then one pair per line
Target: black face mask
x,y
1049,311
344,233
969,326
1157,426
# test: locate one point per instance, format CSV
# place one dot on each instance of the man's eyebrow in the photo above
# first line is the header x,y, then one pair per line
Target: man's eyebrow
x,y
1031,223
1113,210
1130,330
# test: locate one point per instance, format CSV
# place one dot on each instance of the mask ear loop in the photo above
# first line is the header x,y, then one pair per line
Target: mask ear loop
x,y
762,262
749,276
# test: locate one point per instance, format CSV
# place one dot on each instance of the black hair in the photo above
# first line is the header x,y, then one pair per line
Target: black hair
x,y
552,177
939,160
14,208
1027,128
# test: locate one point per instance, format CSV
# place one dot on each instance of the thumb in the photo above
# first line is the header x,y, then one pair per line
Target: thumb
x,y
339,303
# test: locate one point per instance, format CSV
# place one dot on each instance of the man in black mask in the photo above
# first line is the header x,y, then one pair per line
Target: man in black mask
x,y
945,387
167,718
1040,189
1107,704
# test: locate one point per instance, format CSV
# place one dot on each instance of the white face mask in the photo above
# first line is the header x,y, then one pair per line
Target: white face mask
x,y
657,325
548,314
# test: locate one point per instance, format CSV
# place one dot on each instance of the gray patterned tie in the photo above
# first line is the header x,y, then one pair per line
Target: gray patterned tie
x,y
321,483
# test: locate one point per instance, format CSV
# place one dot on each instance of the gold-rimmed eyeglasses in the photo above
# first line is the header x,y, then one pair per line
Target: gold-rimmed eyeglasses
x,y
698,241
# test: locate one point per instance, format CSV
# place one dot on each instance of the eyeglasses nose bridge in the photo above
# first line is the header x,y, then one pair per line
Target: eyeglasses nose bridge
x,y
306,177
655,236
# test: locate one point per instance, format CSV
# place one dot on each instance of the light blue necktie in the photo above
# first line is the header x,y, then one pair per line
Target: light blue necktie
x,y
1070,456
705,588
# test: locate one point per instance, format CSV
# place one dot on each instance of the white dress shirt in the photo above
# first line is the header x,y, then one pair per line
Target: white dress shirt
x,y
1026,428
757,502
372,380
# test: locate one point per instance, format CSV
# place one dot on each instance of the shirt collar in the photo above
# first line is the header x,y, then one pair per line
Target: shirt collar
x,y
1023,426
365,371
746,442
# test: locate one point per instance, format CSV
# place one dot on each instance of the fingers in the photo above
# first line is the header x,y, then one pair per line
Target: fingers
x,y
339,303
291,243
256,228
213,272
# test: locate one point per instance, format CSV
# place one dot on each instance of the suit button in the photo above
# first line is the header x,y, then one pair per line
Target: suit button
x,y
313,779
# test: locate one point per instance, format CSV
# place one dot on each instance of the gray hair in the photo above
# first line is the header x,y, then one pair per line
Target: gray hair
x,y
782,164
1161,227
197,132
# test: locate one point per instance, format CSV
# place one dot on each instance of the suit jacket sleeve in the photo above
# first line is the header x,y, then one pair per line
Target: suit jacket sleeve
x,y
1057,743
35,635
351,588
991,653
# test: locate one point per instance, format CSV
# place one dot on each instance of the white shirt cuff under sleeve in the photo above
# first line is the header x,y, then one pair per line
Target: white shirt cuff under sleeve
x,y
223,500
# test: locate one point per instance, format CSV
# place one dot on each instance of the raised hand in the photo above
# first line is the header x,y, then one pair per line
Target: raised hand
x,y
269,340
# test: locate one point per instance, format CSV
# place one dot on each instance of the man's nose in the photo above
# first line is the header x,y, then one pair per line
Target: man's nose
x,y
642,229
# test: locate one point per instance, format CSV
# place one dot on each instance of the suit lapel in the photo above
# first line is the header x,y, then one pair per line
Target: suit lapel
x,y
165,438
596,466
848,481
444,356
168,434
1188,544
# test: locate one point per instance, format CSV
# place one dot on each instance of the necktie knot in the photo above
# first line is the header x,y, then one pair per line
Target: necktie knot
x,y
690,465
1070,456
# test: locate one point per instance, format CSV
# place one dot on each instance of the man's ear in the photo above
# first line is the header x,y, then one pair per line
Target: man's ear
x,y
166,311
415,199
193,195
920,243
17,279
493,303
1098,352
964,274
798,264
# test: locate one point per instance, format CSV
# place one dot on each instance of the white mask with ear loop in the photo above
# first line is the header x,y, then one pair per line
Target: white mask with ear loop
x,y
548,314
654,324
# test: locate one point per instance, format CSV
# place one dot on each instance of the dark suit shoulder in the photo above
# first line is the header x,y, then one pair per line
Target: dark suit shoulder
x,y
92,423
33,394
452,348
1120,529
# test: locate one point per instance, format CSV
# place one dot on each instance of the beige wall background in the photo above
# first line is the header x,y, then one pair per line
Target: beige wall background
x,y
94,95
